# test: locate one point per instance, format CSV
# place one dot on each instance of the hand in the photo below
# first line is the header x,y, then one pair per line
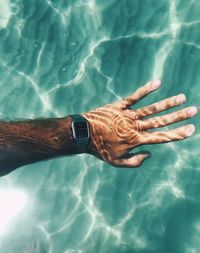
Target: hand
x,y
116,128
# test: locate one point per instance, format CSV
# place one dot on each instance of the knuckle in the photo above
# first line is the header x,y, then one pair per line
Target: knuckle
x,y
180,136
180,115
155,122
170,102
163,122
129,100
153,109
143,111
125,102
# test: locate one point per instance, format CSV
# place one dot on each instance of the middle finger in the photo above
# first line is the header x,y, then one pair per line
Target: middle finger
x,y
160,106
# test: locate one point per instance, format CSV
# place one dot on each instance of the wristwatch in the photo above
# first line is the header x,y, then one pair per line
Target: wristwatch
x,y
80,132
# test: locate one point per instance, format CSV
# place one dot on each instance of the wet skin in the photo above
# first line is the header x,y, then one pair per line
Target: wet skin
x,y
117,128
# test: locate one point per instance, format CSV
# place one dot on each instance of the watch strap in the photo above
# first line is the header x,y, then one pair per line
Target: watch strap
x,y
81,142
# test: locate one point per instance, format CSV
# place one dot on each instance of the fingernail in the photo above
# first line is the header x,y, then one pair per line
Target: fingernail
x,y
155,84
180,99
146,155
192,111
190,130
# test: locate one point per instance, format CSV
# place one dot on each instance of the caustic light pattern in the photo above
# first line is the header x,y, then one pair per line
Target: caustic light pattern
x,y
61,57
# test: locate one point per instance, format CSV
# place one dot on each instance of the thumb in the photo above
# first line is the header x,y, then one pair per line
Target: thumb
x,y
132,160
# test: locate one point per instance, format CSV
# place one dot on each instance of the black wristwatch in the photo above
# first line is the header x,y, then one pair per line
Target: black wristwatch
x,y
80,132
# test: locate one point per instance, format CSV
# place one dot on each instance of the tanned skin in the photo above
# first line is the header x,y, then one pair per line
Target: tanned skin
x,y
115,129
29,141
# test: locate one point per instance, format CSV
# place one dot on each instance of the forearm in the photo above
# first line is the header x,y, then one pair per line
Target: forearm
x,y
29,141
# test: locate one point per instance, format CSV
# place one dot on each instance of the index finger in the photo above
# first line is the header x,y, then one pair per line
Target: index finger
x,y
143,91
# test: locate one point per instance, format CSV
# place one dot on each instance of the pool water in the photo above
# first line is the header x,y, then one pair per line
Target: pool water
x,y
59,57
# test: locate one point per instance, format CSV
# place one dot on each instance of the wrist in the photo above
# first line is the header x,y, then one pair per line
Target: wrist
x,y
91,146
80,128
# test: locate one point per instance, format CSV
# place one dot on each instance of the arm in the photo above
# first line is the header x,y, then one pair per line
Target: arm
x,y
115,130
29,141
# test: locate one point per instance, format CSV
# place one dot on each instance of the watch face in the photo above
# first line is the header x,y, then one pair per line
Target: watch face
x,y
81,130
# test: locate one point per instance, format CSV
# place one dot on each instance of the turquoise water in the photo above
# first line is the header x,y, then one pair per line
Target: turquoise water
x,y
62,57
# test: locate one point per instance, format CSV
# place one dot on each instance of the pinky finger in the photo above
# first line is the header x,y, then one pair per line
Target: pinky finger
x,y
176,134
132,162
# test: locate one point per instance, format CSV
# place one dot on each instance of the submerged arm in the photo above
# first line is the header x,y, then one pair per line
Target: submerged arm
x,y
29,141
115,130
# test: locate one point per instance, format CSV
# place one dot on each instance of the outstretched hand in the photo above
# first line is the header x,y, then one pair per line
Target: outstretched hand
x,y
117,128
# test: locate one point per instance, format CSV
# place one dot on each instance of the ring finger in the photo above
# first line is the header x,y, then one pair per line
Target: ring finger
x,y
169,118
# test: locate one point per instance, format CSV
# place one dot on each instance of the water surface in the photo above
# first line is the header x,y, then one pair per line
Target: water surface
x,y
62,57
